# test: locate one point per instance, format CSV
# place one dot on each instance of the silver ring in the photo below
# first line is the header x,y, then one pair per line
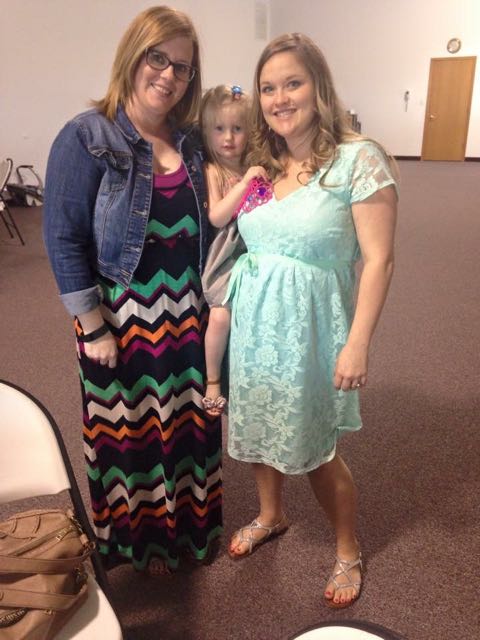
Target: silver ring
x,y
358,385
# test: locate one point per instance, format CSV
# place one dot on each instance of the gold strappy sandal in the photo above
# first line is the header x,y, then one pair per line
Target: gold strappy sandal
x,y
246,535
345,566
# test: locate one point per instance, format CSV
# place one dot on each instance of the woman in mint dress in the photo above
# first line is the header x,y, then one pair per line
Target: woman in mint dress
x,y
299,343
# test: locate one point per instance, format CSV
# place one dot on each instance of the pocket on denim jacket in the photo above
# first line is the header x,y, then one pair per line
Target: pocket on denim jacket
x,y
118,165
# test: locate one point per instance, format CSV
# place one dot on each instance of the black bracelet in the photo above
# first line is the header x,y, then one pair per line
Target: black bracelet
x,y
93,335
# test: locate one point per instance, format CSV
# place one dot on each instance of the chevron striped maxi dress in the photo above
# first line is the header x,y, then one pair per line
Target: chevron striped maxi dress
x,y
153,460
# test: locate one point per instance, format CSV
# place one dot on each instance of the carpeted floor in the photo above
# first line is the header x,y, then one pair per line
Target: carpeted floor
x,y
416,462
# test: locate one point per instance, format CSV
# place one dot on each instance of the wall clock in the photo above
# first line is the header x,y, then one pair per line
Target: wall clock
x,y
453,45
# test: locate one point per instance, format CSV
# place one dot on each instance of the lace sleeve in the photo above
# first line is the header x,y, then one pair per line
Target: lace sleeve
x,y
371,172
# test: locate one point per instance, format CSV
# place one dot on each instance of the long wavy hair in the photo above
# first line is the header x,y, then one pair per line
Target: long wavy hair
x,y
150,28
331,124
212,101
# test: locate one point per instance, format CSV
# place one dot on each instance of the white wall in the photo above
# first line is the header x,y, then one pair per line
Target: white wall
x,y
378,49
56,54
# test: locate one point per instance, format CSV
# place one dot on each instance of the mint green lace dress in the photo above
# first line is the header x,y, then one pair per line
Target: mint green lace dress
x,y
292,299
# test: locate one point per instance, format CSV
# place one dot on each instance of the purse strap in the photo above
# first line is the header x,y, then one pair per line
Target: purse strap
x,y
37,600
13,564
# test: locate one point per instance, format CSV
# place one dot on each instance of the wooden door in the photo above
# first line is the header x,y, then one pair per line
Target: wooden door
x,y
448,108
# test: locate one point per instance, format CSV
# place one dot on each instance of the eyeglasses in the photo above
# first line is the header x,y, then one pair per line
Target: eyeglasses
x,y
160,61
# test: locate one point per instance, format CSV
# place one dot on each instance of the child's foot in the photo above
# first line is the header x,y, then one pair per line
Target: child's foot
x,y
213,402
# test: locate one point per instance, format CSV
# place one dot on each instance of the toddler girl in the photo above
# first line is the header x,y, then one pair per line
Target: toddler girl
x,y
224,116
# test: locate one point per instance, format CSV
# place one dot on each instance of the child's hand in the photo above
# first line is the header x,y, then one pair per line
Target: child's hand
x,y
254,172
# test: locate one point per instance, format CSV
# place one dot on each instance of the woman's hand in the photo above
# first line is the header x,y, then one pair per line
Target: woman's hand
x,y
103,350
351,368
254,172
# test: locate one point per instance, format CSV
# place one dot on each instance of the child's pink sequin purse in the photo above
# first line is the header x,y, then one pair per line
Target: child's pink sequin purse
x,y
259,192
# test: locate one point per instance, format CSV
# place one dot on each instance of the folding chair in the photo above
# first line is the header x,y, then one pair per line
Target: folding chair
x,y
8,221
34,462
347,630
24,193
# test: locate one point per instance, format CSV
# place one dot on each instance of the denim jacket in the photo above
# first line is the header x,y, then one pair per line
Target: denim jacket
x,y
98,191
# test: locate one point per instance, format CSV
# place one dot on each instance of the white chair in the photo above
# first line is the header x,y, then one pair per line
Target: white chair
x,y
10,224
34,462
347,630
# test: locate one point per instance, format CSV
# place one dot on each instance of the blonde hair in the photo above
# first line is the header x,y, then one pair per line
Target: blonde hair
x,y
331,125
150,28
213,100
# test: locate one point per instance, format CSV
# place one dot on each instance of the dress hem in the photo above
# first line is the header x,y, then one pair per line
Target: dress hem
x,y
275,465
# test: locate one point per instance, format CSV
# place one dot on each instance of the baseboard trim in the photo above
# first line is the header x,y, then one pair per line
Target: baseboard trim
x,y
468,159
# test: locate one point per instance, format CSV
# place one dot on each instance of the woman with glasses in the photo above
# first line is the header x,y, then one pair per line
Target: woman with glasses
x,y
126,233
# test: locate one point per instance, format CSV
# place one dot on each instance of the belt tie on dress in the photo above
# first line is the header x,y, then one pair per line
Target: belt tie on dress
x,y
248,263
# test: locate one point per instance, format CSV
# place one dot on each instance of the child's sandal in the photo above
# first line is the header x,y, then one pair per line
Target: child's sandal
x,y
214,407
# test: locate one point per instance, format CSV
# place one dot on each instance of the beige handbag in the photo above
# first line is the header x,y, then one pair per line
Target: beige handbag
x,y
42,573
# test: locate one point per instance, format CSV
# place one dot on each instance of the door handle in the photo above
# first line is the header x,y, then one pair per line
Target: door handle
x,y
432,117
